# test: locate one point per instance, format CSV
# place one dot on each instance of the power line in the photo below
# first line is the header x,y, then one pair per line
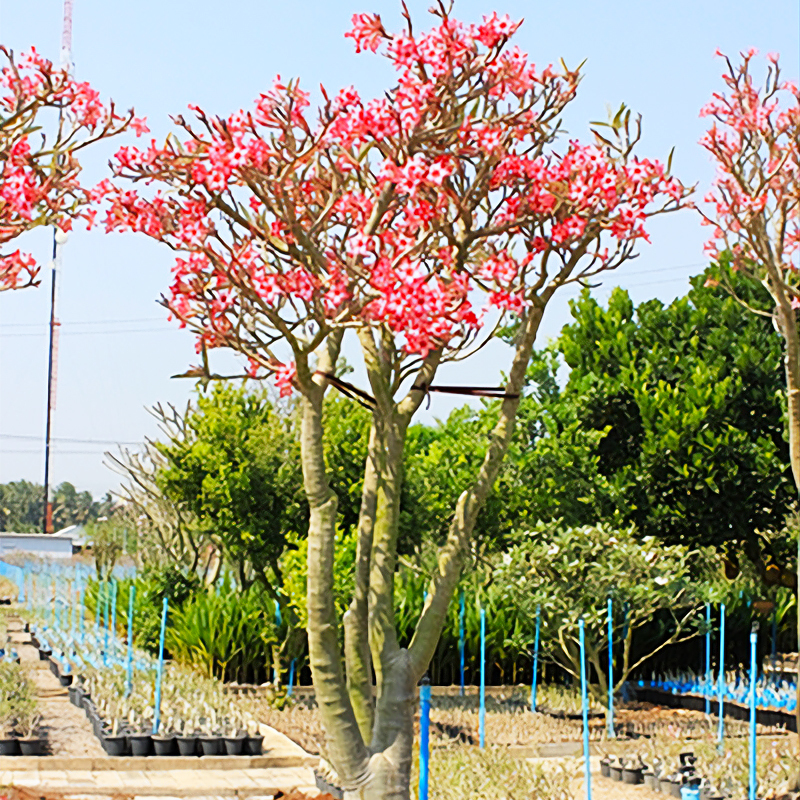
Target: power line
x,y
91,333
83,322
68,439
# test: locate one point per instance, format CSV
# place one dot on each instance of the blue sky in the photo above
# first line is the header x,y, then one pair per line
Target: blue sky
x,y
118,350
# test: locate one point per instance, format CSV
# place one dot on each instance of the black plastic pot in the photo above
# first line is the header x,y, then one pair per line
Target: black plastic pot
x,y
9,747
141,744
164,745
615,772
234,745
187,745
328,788
31,747
632,775
115,745
45,654
254,745
65,678
211,745
650,781
74,697
605,770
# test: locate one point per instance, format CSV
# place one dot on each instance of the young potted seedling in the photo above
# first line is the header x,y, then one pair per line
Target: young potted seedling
x,y
9,745
115,743
187,739
254,743
235,737
164,741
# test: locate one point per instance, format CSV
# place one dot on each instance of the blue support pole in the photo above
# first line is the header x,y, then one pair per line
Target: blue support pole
x,y
424,734
114,614
774,654
482,712
721,683
160,673
82,601
610,668
278,621
106,603
461,613
587,766
753,673
129,665
534,678
707,691
291,678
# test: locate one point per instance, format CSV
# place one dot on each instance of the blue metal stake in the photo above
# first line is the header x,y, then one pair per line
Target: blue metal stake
x,y
106,602
291,678
424,733
610,669
482,712
82,601
129,682
587,767
708,659
461,613
277,625
536,658
114,614
160,673
774,656
721,684
753,668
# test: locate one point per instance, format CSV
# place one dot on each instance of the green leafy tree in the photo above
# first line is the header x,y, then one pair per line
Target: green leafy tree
x,y
671,418
236,469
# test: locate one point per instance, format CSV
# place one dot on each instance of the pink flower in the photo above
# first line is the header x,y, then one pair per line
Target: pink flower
x,y
285,376
139,125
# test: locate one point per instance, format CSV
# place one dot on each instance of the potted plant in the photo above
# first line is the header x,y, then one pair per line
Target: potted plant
x,y
187,739
632,772
9,745
235,737
116,742
27,717
164,743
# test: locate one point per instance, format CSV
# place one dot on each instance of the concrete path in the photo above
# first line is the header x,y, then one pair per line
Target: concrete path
x,y
193,783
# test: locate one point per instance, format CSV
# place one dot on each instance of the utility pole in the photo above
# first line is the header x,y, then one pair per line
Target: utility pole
x,y
59,238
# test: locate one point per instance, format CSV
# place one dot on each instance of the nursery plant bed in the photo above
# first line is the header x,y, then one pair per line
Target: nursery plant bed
x,y
737,711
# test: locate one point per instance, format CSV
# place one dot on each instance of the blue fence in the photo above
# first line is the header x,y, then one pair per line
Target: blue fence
x,y
15,575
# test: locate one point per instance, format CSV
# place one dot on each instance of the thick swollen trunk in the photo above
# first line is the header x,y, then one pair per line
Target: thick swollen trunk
x,y
345,745
788,326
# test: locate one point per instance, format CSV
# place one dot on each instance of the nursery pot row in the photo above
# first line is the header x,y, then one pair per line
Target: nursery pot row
x,y
17,746
145,744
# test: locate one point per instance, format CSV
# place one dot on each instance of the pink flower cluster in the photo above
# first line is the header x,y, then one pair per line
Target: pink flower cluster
x,y
397,212
36,188
754,140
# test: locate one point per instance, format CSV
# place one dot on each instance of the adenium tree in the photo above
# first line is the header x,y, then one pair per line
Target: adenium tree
x,y
754,140
39,174
414,222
